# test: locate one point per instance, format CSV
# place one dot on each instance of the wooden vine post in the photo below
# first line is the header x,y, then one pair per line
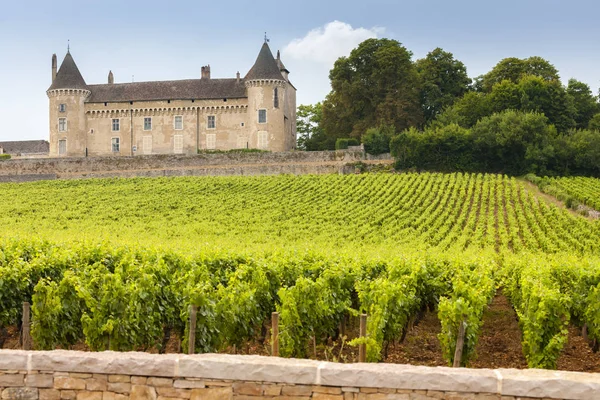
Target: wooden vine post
x,y
460,343
192,338
362,348
27,326
275,334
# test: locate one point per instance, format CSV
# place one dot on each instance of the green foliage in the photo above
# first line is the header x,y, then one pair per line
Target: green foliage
x,y
513,69
594,123
585,103
377,140
5,157
443,80
377,84
342,144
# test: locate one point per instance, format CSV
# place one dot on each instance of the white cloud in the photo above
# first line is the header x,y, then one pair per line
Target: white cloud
x,y
326,44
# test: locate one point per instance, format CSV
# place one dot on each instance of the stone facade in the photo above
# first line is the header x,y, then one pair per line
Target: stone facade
x,y
172,117
212,164
55,375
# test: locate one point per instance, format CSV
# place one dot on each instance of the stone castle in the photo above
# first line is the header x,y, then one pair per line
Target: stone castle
x,y
172,117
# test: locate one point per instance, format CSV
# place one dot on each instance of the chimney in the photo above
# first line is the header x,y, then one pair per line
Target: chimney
x,y
54,64
206,72
111,78
278,55
237,77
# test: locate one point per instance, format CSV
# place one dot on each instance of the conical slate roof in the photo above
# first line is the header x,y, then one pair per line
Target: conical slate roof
x,y
265,66
68,76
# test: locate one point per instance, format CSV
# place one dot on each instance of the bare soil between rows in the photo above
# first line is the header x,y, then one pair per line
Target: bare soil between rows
x,y
499,344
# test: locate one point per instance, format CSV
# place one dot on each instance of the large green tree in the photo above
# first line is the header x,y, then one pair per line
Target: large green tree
x,y
377,84
513,69
443,80
584,102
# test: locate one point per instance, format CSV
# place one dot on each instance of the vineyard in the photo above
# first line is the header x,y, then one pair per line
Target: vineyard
x,y
116,264
573,191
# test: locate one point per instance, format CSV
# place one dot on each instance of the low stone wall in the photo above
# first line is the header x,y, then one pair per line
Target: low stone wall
x,y
54,375
232,163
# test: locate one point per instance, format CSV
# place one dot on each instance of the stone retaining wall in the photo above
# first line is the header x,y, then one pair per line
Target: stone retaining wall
x,y
54,375
233,163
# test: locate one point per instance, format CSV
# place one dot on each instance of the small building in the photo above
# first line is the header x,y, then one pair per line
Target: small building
x,y
257,111
26,148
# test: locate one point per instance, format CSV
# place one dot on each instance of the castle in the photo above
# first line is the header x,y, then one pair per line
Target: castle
x,y
172,117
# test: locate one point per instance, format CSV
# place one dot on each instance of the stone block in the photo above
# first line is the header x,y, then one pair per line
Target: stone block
x,y
119,378
13,359
9,380
49,394
436,394
188,384
89,395
94,384
326,396
350,389
114,396
172,392
350,395
539,383
68,395
39,380
247,388
138,380
119,387
66,382
272,390
368,390
212,394
327,389
20,393
100,377
139,392
80,375
296,390
160,382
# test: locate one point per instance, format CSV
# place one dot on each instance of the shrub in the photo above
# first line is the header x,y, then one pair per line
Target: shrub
x,y
343,143
5,157
377,140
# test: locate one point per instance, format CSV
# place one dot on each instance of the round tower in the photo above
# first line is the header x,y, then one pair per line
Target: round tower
x,y
265,87
67,95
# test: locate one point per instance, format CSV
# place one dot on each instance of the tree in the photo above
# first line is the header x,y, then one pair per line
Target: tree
x,y
443,80
376,85
513,69
514,142
308,125
594,123
377,140
466,111
584,102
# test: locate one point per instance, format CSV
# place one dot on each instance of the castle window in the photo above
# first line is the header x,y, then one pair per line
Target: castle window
x,y
211,141
178,122
211,122
116,125
62,147
262,116
62,124
275,98
147,123
263,140
116,144
62,108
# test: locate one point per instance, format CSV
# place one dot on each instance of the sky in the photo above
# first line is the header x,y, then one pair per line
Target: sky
x,y
151,40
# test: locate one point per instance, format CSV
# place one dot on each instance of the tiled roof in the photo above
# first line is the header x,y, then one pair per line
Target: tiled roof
x,y
68,76
26,147
265,66
189,89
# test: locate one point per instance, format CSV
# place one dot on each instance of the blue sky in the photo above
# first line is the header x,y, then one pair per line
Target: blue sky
x,y
172,40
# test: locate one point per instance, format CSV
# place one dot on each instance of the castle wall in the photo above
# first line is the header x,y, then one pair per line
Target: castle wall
x,y
210,164
54,375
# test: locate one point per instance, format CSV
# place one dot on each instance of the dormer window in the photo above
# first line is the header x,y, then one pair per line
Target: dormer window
x,y
62,108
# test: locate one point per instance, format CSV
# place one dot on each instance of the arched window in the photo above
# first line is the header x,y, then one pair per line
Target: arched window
x,y
275,98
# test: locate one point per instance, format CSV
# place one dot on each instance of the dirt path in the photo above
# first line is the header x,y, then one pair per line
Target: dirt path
x,y
577,354
499,344
530,187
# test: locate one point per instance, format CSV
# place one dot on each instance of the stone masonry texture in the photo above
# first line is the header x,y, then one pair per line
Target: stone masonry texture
x,y
60,375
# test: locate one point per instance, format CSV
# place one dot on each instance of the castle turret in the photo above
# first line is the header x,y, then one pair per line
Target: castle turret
x,y
67,96
54,67
266,98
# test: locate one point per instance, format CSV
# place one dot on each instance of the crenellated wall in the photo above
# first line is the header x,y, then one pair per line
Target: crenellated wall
x,y
59,374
